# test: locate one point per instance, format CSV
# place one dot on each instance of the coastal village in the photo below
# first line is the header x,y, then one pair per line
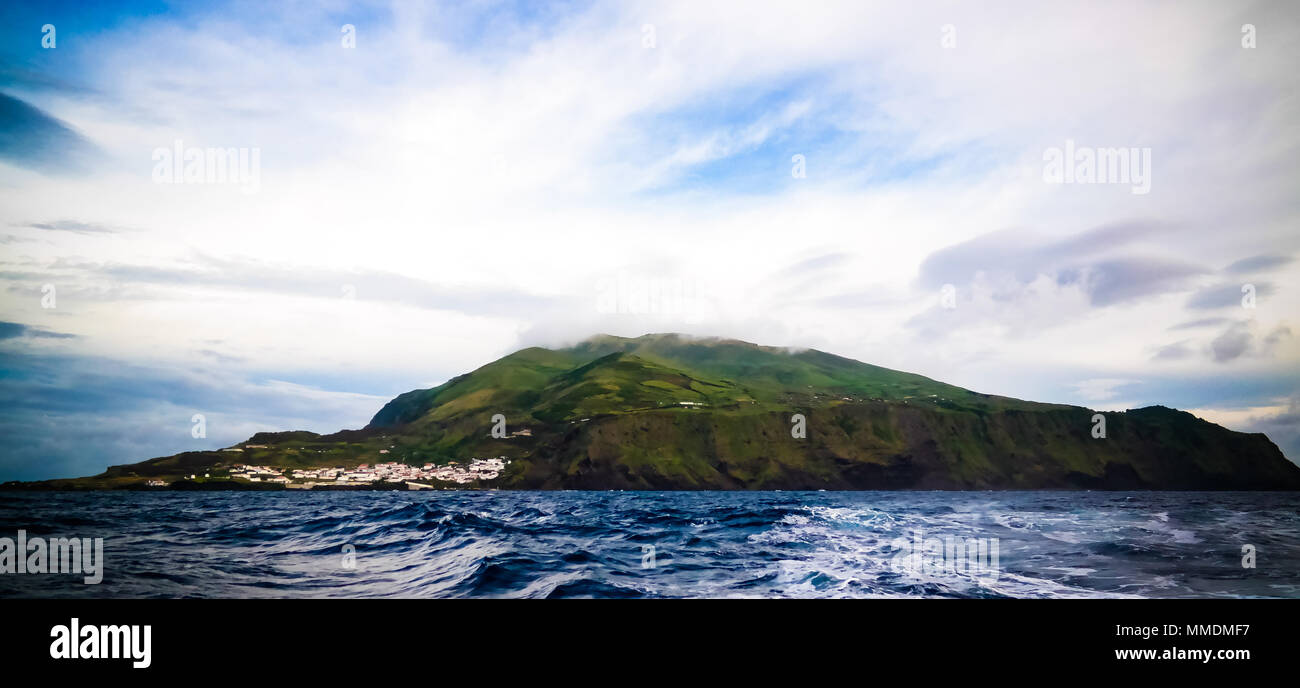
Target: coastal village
x,y
367,474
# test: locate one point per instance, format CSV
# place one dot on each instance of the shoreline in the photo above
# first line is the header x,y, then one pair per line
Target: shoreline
x,y
10,487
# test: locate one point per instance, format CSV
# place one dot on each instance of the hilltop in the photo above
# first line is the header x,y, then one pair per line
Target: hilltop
x,y
668,411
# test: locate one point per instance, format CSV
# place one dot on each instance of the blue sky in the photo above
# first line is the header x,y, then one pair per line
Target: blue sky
x,y
476,177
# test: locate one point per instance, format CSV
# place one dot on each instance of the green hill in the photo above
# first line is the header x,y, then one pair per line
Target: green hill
x,y
667,411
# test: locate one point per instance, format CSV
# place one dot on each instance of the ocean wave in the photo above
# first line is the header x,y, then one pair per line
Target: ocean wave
x,y
665,544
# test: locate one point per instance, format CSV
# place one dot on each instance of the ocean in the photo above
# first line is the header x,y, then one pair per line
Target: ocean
x,y
491,544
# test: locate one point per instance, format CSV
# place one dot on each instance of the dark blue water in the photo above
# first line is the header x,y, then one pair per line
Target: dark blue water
x,y
711,544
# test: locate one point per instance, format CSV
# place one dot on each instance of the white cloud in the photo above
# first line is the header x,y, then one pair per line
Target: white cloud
x,y
1101,389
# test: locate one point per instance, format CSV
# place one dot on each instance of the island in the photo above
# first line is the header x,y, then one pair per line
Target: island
x,y
676,412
